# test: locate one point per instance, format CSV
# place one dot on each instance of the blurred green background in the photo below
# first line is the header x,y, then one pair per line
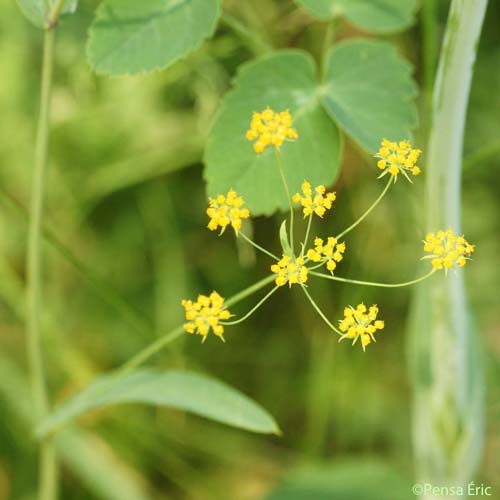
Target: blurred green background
x,y
127,199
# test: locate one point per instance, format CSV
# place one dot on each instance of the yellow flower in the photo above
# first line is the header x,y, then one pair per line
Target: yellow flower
x,y
290,270
398,157
270,128
317,202
360,323
331,253
225,210
446,249
204,314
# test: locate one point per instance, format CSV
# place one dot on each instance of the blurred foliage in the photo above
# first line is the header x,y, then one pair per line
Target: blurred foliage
x,y
127,198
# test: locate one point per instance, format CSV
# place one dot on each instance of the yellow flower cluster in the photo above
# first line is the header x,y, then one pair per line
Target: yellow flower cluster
x,y
317,202
270,128
447,249
398,157
331,253
204,314
290,270
358,323
225,210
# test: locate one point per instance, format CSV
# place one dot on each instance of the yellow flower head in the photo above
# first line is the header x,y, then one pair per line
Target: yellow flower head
x,y
317,201
398,157
360,323
290,270
225,210
270,128
204,314
446,249
331,253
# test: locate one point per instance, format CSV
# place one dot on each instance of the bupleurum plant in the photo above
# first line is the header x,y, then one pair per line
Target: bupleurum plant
x,y
298,264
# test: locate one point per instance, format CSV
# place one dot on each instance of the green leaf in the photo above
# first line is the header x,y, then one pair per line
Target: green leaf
x,y
182,390
369,92
360,480
379,16
284,80
130,37
37,11
285,243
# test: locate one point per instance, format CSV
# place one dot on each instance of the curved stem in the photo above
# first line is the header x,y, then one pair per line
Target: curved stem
x,y
255,41
279,159
160,343
375,203
48,463
319,311
249,313
372,283
258,247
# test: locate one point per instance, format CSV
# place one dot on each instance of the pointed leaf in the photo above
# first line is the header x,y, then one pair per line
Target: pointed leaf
x,y
182,390
378,16
284,80
285,243
369,92
130,37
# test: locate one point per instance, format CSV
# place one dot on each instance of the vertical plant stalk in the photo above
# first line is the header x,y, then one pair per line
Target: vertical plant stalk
x,y
47,457
444,353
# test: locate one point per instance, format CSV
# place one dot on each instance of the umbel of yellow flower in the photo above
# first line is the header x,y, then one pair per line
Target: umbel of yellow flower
x,y
205,314
446,249
225,210
358,323
397,157
331,253
270,128
317,202
290,270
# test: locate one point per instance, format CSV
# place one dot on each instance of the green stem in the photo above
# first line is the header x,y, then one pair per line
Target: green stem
x,y
255,41
279,159
249,313
160,343
372,283
48,462
104,290
55,14
258,247
375,203
448,411
319,311
327,43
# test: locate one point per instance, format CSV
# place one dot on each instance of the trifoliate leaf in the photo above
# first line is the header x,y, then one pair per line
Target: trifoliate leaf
x,y
285,80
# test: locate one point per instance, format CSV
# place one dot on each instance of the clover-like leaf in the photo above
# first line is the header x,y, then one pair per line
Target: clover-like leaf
x,y
285,80
130,36
369,91
378,16
192,392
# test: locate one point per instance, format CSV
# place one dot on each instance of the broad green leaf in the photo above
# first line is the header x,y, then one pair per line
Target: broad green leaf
x,y
182,390
369,91
285,243
360,480
284,80
372,15
130,37
37,10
